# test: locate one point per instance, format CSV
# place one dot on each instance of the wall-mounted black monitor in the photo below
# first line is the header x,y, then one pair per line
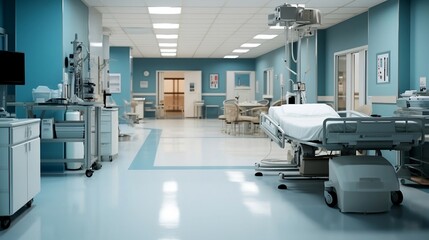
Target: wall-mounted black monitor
x,y
12,68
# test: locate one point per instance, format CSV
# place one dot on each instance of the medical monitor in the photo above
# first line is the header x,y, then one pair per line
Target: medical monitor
x,y
12,68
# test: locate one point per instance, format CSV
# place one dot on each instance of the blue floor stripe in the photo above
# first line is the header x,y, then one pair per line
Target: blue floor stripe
x,y
145,158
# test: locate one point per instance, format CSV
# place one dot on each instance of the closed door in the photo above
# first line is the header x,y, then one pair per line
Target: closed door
x,y
192,91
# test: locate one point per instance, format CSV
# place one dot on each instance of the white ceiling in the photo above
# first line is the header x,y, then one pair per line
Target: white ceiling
x,y
209,28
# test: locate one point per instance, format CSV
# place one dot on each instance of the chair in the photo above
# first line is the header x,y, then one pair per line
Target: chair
x,y
234,117
222,117
264,102
198,108
129,112
160,110
255,114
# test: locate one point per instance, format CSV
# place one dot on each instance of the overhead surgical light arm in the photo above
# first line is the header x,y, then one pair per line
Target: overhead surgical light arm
x,y
304,21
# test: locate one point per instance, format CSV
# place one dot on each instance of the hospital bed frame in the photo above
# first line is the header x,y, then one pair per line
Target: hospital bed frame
x,y
345,136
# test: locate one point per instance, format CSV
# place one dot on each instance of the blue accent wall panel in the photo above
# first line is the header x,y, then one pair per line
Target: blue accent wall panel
x,y
404,47
75,21
275,60
383,37
207,66
350,34
39,36
120,62
419,47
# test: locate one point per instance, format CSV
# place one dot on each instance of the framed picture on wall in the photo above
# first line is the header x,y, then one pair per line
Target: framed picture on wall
x,y
214,81
383,67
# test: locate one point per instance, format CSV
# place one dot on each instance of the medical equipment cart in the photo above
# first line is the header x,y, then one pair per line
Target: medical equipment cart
x,y
89,137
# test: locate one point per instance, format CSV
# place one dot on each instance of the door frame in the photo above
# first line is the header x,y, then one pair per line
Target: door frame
x,y
159,88
363,71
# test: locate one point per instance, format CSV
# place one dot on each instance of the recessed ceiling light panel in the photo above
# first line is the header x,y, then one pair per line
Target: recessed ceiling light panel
x,y
241,50
265,36
166,25
167,44
250,45
167,36
165,10
168,50
168,54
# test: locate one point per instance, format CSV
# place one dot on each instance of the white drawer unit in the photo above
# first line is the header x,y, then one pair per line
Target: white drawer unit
x,y
109,133
19,166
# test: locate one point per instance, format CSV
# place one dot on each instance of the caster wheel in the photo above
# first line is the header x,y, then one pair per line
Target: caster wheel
x,y
282,187
96,166
29,203
89,173
259,174
402,181
331,198
5,222
397,197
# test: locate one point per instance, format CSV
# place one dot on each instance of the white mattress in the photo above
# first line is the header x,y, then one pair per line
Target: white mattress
x,y
302,121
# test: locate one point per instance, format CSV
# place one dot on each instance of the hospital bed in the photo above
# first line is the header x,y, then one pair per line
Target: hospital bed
x,y
357,183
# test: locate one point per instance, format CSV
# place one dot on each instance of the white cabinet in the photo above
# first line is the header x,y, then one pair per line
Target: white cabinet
x,y
109,132
19,165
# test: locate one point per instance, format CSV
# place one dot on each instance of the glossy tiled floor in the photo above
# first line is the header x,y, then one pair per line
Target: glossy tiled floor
x,y
185,180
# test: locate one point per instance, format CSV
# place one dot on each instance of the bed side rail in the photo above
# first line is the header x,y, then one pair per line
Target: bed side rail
x,y
393,133
272,129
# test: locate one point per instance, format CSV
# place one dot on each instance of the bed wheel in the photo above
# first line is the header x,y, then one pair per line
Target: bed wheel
x,y
397,197
259,174
330,198
282,187
5,222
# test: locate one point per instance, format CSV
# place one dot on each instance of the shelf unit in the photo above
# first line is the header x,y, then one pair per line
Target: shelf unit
x,y
109,133
90,139
415,163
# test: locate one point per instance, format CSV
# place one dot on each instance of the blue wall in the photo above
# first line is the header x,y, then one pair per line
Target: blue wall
x,y
120,62
75,21
384,37
336,39
44,30
419,47
39,36
206,65
276,60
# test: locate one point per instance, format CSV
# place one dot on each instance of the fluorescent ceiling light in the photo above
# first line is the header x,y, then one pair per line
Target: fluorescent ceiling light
x,y
165,10
231,56
168,44
168,54
241,50
277,27
250,45
96,44
168,50
166,25
167,36
265,36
